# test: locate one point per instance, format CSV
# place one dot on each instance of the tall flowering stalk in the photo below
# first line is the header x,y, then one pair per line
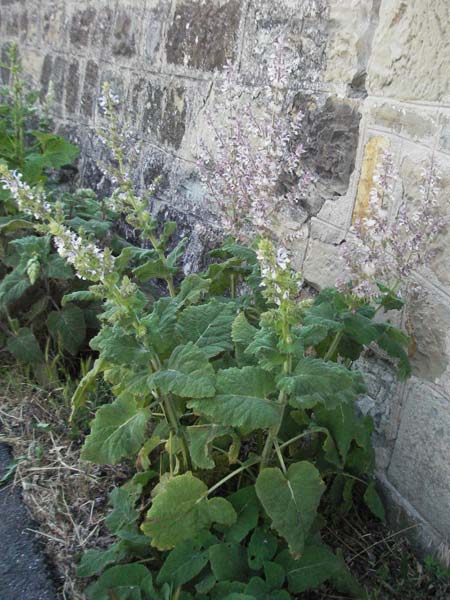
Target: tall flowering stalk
x,y
255,145
385,251
125,151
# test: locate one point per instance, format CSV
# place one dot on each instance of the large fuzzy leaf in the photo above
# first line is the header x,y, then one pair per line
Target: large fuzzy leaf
x,y
183,564
208,326
316,381
118,431
25,347
180,510
68,327
200,438
187,373
160,326
228,562
316,565
117,347
124,582
291,500
246,505
242,399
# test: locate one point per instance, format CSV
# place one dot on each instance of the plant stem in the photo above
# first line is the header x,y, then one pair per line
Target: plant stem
x,y
334,345
233,285
217,485
297,437
280,457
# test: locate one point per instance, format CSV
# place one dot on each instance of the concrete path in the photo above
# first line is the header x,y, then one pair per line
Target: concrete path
x,y
24,574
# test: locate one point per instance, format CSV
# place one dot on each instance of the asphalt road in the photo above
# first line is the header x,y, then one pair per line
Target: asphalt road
x,y
24,574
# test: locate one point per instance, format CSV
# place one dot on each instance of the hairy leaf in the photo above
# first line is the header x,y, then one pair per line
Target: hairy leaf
x,y
316,381
68,326
25,347
126,582
291,500
180,510
241,399
183,563
228,562
118,431
187,373
208,326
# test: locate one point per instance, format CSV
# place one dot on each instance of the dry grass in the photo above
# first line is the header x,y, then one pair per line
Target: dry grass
x,y
66,497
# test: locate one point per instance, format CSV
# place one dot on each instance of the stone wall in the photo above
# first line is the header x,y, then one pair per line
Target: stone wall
x,y
372,74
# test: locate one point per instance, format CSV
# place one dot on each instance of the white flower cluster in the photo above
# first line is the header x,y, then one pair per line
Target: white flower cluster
x,y
29,201
279,281
89,262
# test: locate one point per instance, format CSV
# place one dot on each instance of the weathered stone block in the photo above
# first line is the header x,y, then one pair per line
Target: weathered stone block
x,y
330,138
203,35
46,74
72,88
124,40
444,138
81,25
165,113
323,264
90,89
416,124
410,44
373,153
103,27
418,468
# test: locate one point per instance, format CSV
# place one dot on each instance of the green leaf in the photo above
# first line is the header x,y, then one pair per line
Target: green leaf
x,y
274,574
118,431
180,510
246,505
187,373
183,563
57,268
161,325
68,326
316,381
316,565
80,296
228,562
13,223
192,289
241,399
124,515
57,151
93,561
86,384
208,326
373,501
291,500
118,347
259,590
261,547
25,347
124,582
342,423
154,269
200,438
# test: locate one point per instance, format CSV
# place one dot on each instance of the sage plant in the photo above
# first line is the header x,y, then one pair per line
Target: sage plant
x,y
255,144
385,250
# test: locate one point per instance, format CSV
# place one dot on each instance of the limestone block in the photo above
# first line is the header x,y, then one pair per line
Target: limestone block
x,y
90,89
410,50
444,138
373,153
124,36
417,124
420,469
81,25
164,114
352,24
103,26
414,169
203,35
323,264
